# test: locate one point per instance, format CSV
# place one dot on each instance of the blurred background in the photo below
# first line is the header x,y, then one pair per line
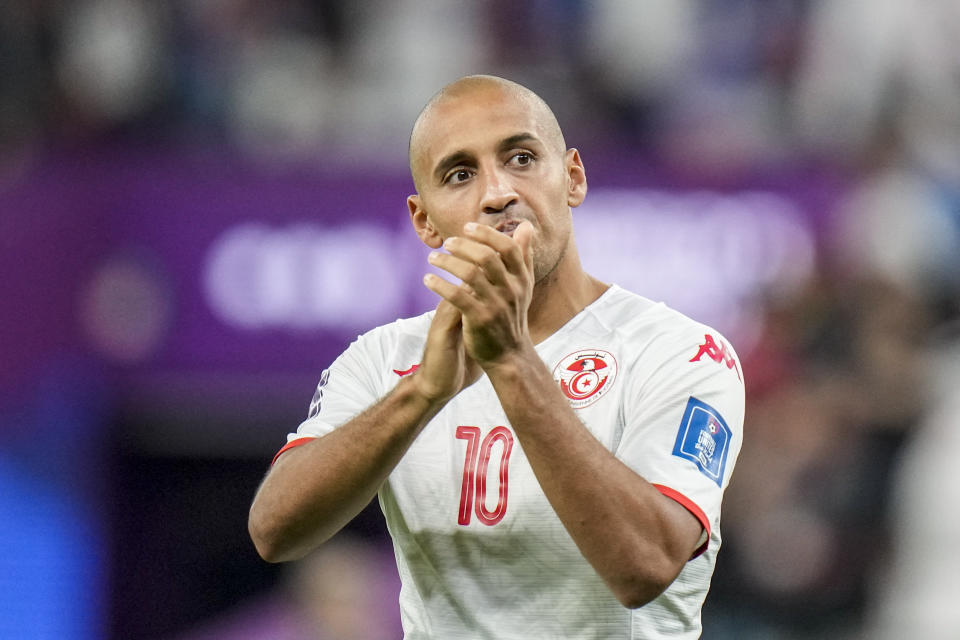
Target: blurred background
x,y
202,204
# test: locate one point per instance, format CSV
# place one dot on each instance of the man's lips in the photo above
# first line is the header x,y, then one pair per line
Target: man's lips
x,y
507,226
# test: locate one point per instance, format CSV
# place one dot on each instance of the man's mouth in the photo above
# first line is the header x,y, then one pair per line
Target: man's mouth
x,y
507,227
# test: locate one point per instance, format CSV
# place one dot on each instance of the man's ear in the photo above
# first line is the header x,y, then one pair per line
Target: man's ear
x,y
576,178
421,223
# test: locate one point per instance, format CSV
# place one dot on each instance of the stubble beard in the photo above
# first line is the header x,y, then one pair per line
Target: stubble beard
x,y
543,269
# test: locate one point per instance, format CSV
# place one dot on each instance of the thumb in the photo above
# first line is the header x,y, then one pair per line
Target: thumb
x,y
447,316
524,236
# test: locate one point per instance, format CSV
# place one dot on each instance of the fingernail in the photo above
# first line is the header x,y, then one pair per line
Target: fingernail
x,y
470,226
447,243
432,256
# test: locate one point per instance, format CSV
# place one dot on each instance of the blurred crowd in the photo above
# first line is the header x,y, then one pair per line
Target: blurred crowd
x,y
717,83
841,514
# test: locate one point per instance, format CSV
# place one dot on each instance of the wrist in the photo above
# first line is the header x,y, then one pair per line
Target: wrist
x,y
420,391
512,363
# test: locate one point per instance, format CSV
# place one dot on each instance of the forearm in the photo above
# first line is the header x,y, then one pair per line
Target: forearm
x,y
315,489
635,538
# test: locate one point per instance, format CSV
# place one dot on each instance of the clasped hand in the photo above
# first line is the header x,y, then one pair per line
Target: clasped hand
x,y
483,319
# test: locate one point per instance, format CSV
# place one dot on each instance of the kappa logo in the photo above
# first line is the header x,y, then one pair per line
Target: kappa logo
x,y
586,376
408,371
719,353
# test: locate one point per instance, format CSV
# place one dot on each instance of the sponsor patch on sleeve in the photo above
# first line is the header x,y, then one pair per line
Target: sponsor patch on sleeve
x,y
704,439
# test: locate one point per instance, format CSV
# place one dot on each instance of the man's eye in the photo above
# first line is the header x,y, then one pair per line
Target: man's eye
x,y
457,176
521,158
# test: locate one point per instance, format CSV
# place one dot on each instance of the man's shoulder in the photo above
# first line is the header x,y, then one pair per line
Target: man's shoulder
x,y
396,343
632,314
410,326
655,332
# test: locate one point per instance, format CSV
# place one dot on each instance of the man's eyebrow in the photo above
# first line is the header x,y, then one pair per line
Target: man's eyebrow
x,y
519,138
451,160
462,156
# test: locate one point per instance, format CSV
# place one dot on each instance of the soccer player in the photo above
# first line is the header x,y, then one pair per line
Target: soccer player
x,y
550,451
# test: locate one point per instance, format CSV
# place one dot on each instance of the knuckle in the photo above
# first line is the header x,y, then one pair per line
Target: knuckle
x,y
512,252
490,258
483,314
496,311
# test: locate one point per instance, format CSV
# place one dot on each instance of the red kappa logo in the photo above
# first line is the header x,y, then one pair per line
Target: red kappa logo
x,y
586,376
408,371
719,353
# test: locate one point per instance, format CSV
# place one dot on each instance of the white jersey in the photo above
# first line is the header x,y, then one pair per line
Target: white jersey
x,y
480,551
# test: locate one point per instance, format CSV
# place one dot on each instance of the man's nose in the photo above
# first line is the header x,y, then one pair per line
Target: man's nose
x,y
498,192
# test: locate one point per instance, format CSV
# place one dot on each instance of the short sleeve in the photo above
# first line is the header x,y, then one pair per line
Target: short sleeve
x,y
347,388
683,418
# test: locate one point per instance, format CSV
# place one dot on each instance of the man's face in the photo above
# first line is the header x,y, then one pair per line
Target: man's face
x,y
490,156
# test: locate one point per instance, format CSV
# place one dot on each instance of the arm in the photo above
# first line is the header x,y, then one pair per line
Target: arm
x,y
637,539
313,490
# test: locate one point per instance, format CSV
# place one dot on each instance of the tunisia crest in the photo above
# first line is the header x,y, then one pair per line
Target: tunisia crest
x,y
585,376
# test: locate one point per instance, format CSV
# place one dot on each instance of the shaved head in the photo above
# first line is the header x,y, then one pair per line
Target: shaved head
x,y
470,86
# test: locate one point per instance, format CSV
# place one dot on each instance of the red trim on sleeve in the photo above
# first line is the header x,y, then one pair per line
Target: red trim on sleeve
x,y
291,445
690,506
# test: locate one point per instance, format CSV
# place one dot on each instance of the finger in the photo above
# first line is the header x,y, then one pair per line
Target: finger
x,y
460,297
504,245
468,272
480,254
445,327
523,236
449,321
436,376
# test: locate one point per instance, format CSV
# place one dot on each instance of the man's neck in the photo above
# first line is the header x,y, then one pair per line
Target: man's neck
x,y
558,298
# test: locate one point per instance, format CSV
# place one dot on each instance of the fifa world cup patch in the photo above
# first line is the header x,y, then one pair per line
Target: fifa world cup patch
x,y
704,439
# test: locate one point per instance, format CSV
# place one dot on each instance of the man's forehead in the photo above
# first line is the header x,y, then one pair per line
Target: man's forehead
x,y
470,121
479,113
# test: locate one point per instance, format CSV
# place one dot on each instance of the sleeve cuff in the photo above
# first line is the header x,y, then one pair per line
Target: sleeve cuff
x,y
290,445
690,506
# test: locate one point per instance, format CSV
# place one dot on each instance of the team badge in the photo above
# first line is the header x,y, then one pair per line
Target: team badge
x,y
586,376
704,439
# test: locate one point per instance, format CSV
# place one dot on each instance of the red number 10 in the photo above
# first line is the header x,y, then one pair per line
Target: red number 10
x,y
475,474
